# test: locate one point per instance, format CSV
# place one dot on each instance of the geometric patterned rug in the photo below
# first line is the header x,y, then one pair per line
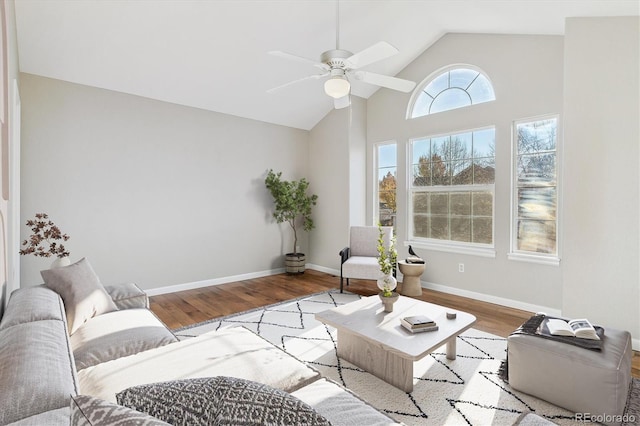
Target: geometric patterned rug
x,y
465,391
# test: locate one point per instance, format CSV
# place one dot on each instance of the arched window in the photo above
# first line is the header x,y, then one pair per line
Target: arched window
x,y
457,87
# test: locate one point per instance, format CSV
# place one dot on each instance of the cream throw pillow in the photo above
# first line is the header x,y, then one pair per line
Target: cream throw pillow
x,y
82,292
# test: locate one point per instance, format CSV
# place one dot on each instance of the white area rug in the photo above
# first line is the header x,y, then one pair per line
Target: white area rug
x,y
465,391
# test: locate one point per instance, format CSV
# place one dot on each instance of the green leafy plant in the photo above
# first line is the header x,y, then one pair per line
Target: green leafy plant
x,y
387,258
43,241
292,204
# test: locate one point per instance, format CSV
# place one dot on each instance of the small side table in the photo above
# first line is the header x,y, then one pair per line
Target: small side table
x,y
411,273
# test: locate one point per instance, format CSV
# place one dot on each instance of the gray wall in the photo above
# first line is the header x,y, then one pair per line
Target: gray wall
x,y
601,279
152,192
337,170
526,72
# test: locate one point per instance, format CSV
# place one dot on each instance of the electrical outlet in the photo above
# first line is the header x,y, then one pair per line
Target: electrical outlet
x,y
460,267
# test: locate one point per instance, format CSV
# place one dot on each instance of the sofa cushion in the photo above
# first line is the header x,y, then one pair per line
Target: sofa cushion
x,y
127,296
83,295
340,406
232,352
37,371
90,411
59,417
117,334
220,401
32,304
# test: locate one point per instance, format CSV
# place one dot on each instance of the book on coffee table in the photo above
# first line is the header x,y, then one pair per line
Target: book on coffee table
x,y
419,329
416,323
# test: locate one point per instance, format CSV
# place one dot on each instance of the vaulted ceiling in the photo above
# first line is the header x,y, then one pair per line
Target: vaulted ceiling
x,y
212,54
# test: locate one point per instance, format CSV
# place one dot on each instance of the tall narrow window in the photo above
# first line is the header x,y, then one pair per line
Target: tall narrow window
x,y
452,190
535,210
457,87
386,159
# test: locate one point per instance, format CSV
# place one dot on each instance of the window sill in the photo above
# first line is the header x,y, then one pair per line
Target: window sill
x,y
454,248
532,258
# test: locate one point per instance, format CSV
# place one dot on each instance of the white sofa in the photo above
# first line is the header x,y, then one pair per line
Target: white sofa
x,y
42,368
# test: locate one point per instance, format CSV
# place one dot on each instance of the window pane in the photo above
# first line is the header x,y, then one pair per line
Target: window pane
x,y
461,229
439,203
387,185
450,99
387,155
451,213
482,203
440,173
421,107
455,88
439,228
481,90
484,142
537,168
462,77
537,136
420,148
537,203
482,230
421,202
461,146
439,84
484,171
537,236
462,173
421,225
461,203
537,195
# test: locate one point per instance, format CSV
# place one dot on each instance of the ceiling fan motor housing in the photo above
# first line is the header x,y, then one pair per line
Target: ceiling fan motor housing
x,y
335,58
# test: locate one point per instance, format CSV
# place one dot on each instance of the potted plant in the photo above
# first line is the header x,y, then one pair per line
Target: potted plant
x,y
292,205
44,240
387,259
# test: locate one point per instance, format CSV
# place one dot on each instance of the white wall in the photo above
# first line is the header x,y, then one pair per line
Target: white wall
x,y
601,278
152,192
526,72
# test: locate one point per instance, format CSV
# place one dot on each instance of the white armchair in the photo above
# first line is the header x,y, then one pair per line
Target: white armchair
x,y
360,259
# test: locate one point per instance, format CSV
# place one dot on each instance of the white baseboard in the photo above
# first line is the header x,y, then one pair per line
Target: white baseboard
x,y
211,282
491,299
323,269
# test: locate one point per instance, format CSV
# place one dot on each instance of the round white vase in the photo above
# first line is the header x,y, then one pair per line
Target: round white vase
x,y
387,282
59,262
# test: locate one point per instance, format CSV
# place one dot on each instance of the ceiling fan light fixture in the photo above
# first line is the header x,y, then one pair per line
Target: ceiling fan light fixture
x,y
337,87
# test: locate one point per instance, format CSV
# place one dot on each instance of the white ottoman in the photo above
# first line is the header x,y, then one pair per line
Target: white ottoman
x,y
578,379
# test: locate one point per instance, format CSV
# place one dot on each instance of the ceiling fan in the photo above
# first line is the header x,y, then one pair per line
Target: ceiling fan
x,y
341,65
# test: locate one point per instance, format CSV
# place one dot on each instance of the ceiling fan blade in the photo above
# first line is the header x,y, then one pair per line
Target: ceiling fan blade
x,y
342,102
371,54
291,57
394,83
309,77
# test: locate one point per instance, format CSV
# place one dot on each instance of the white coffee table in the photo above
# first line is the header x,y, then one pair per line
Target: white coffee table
x,y
375,341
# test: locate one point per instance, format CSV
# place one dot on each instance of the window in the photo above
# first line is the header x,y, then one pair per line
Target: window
x,y
452,190
455,88
535,209
386,158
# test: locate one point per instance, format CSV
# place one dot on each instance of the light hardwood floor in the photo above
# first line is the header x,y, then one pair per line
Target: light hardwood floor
x,y
193,306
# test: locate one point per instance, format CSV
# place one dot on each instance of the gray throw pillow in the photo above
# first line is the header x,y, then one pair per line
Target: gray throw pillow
x,y
90,411
219,401
83,294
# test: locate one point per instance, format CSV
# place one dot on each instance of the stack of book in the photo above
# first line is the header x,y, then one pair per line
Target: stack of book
x,y
418,323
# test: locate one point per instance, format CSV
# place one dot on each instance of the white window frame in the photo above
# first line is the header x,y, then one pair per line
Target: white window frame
x,y
476,249
522,255
376,185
